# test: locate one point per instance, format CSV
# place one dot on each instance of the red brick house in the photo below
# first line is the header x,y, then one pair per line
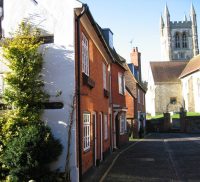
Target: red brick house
x,y
101,108
119,127
93,72
131,102
140,91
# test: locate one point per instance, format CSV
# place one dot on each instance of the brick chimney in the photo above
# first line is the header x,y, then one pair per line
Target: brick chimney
x,y
136,60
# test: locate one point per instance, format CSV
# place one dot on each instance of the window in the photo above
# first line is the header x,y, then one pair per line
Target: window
x,y
138,95
123,125
177,40
86,131
1,84
143,98
121,83
104,77
173,100
105,127
85,57
184,40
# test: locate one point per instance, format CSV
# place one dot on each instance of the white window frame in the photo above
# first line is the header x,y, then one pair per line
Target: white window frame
x,y
86,131
1,84
85,55
121,83
123,124
105,126
104,76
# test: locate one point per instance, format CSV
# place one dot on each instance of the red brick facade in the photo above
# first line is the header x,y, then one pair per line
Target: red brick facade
x,y
119,106
93,101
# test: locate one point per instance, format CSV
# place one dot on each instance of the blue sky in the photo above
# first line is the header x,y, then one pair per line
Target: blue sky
x,y
139,21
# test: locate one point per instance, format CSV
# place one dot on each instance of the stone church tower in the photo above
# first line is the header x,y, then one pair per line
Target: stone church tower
x,y
179,40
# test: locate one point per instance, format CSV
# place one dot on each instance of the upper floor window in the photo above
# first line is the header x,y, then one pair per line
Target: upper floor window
x,y
1,84
184,40
177,40
85,55
86,131
121,83
104,77
138,95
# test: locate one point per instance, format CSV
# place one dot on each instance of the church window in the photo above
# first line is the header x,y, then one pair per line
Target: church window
x,y
184,40
177,40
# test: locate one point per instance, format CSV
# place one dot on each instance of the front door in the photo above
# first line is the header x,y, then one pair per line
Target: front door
x,y
94,139
117,130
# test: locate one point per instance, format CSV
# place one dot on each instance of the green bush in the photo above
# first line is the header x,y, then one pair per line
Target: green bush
x,y
28,155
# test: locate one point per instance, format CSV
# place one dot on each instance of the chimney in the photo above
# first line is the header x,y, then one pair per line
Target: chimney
x,y
136,60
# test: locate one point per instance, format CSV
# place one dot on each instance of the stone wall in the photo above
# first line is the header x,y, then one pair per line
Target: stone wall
x,y
163,92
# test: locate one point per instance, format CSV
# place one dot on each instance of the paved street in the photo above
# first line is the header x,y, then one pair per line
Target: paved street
x,y
159,157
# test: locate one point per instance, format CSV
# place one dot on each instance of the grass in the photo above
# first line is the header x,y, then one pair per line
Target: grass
x,y
174,116
155,117
193,114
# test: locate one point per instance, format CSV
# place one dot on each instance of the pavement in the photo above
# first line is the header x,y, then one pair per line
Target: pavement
x,y
95,174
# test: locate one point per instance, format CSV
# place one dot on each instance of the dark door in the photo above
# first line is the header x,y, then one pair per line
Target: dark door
x,y
117,131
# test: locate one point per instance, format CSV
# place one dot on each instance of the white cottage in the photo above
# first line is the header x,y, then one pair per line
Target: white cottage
x,y
190,79
55,19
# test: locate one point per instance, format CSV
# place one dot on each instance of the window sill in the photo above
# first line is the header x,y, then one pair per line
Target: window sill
x,y
86,150
106,93
88,81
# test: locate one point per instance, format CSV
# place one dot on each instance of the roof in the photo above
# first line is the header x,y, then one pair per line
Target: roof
x,y
167,71
192,66
112,52
130,82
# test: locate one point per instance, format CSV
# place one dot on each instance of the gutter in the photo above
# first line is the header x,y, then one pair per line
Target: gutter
x,y
85,7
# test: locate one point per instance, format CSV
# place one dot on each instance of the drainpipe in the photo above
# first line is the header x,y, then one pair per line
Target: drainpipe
x,y
79,88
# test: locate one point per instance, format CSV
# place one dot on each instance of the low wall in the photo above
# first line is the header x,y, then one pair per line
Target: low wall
x,y
192,124
155,125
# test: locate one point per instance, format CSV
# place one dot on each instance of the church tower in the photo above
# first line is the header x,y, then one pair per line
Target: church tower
x,y
179,39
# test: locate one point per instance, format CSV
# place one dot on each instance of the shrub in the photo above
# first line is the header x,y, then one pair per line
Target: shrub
x,y
28,155
26,144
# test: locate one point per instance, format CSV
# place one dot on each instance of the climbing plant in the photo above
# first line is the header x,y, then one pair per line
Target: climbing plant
x,y
25,94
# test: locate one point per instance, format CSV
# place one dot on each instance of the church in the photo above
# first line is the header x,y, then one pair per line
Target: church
x,y
179,44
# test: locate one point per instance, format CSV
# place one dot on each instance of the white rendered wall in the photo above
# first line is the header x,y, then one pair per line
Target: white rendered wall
x,y
54,17
185,91
150,95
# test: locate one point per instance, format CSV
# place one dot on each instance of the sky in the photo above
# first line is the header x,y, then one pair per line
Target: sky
x,y
138,21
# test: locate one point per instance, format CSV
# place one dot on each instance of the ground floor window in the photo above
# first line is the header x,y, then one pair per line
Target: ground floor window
x,y
105,127
86,131
123,124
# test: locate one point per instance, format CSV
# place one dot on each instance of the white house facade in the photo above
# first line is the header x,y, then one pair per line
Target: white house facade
x,y
190,79
55,18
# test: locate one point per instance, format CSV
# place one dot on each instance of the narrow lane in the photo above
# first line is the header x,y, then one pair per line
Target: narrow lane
x,y
160,157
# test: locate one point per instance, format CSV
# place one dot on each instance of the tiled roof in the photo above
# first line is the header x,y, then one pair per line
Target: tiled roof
x,y
167,71
130,82
192,66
